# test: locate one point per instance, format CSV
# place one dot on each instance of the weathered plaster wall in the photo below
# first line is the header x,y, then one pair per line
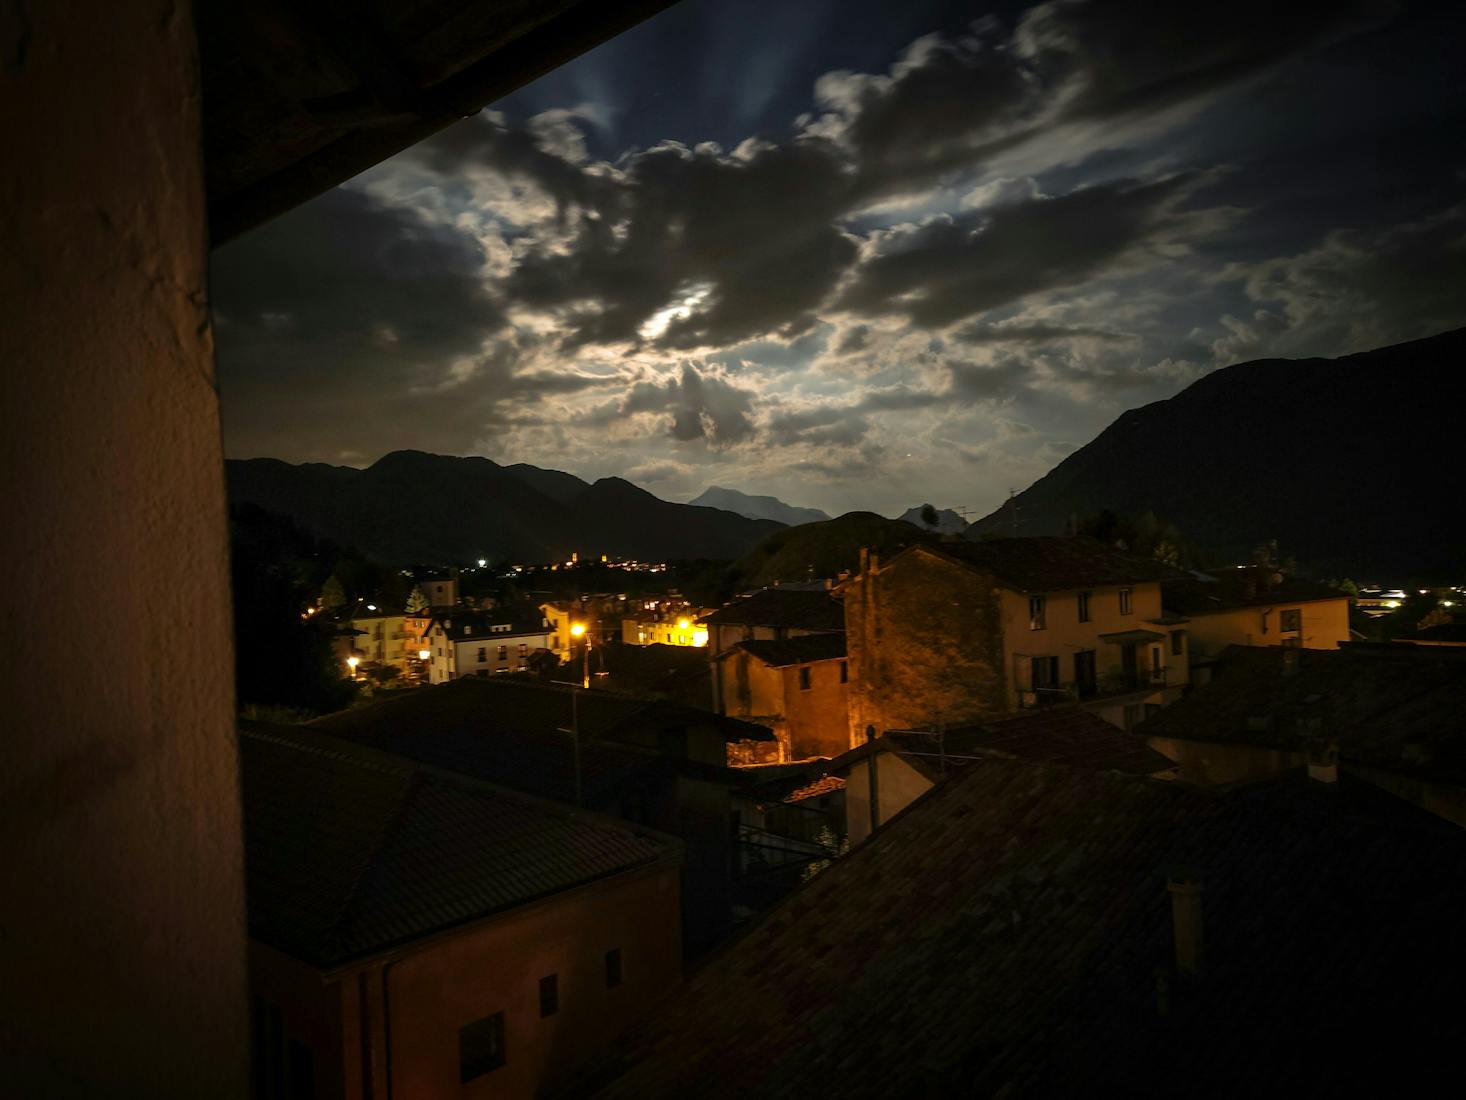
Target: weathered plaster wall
x,y
496,968
898,786
817,719
121,889
1325,626
925,645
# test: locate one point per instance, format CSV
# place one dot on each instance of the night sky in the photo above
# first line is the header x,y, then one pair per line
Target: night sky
x,y
863,254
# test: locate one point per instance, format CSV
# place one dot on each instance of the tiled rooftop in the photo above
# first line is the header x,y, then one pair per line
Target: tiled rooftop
x,y
1010,935
1053,563
1058,735
349,851
781,652
1241,588
786,607
1403,709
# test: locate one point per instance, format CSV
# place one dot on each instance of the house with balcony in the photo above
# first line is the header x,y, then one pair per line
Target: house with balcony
x,y
485,643
957,632
380,637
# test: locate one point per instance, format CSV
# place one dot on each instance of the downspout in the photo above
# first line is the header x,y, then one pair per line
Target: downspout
x,y
872,770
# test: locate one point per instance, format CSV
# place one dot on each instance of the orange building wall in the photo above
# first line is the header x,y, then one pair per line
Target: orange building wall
x,y
400,1017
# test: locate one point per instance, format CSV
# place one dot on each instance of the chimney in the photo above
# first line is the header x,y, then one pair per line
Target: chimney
x,y
1323,760
1185,890
1290,660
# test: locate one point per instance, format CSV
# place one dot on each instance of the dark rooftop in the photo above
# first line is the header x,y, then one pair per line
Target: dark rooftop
x,y
481,624
350,851
517,733
1054,563
1400,708
1056,735
786,607
1241,588
1011,935
781,652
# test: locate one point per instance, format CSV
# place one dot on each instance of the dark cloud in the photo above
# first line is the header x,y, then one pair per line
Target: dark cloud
x,y
1026,333
957,266
701,405
749,241
975,382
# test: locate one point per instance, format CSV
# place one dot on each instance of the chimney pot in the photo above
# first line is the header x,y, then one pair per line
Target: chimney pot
x,y
1185,890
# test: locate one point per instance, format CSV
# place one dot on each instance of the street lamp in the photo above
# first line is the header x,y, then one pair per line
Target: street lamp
x,y
424,654
351,663
577,630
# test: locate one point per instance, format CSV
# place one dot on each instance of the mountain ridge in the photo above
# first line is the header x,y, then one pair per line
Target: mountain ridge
x,y
1334,458
756,507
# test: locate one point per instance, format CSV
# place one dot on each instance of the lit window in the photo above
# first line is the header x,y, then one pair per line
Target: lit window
x,y
1127,601
480,1047
503,653
613,968
523,649
1035,612
804,679
1084,607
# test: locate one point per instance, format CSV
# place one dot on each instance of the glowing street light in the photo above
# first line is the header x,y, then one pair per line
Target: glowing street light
x,y
577,630
424,654
351,663
683,624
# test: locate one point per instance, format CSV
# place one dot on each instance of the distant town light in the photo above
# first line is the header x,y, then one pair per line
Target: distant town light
x,y
483,562
371,607
424,654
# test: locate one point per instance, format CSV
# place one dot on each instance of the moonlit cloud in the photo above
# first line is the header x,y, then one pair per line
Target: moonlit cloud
x,y
858,272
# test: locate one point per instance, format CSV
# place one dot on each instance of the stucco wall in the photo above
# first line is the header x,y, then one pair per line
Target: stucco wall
x,y
121,887
432,993
925,645
898,786
816,720
1325,626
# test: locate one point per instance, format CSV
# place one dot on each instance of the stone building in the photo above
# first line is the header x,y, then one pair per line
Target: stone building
x,y
796,687
966,630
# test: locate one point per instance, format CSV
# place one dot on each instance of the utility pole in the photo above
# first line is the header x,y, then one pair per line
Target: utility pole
x,y
574,732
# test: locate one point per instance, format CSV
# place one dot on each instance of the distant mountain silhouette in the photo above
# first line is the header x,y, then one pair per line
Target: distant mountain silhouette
x,y
411,507
1352,464
817,550
756,507
948,521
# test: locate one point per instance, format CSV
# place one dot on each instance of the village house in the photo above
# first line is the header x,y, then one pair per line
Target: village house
x,y
796,686
1390,715
884,776
656,764
773,614
380,637
1256,606
665,622
1032,930
415,932
960,631
484,643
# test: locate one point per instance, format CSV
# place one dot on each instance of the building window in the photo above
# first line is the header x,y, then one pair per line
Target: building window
x,y
1290,620
503,653
1045,672
1035,612
549,995
1178,642
1127,601
804,679
1084,607
480,1047
844,672
1085,681
523,649
613,968
483,654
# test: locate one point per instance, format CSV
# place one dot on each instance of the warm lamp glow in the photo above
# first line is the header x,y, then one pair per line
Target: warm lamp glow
x,y
577,629
683,624
424,654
